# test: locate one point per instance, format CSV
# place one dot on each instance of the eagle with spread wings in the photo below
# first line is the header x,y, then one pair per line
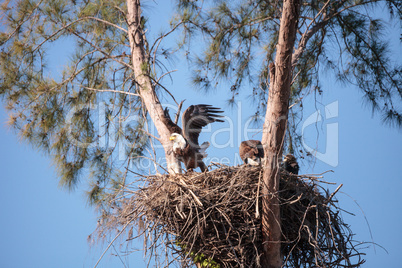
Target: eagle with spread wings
x,y
185,141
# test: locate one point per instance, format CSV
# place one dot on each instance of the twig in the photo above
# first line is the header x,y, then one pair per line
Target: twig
x,y
110,244
257,210
192,193
176,119
332,195
106,22
111,90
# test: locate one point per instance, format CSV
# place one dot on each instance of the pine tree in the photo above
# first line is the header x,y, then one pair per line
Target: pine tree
x,y
93,117
79,116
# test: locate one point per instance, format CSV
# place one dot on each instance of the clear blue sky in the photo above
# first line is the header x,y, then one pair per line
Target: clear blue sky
x,y
45,226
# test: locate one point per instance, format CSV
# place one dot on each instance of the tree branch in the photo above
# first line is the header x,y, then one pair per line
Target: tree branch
x,y
101,51
20,24
176,119
308,34
112,90
326,19
74,22
110,244
106,22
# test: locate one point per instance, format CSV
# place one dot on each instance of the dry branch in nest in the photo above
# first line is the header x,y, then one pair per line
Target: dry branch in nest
x,y
215,218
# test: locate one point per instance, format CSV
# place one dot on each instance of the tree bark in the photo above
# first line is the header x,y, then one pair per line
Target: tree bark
x,y
143,80
274,133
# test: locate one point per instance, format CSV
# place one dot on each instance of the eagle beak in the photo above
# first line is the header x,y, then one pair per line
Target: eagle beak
x,y
172,138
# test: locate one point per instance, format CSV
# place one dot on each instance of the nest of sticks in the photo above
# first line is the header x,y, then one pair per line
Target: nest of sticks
x,y
214,219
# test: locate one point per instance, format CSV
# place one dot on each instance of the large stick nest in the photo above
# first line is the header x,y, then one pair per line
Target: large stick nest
x,y
215,218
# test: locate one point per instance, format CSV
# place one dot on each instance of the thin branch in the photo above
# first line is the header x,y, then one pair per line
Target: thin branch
x,y
79,20
309,33
110,244
69,25
151,135
176,119
157,81
106,22
159,39
163,87
376,55
19,25
100,50
332,195
327,18
111,90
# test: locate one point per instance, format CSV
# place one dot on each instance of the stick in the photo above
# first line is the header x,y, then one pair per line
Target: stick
x,y
192,193
332,195
176,119
110,244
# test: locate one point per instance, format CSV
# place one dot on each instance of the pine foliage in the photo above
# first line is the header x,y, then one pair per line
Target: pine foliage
x,y
345,37
89,116
78,115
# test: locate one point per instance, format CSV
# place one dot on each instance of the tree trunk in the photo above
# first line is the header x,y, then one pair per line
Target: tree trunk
x,y
274,133
143,80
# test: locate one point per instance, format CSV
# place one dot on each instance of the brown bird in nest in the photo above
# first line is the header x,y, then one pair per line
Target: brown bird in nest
x,y
185,141
251,152
290,164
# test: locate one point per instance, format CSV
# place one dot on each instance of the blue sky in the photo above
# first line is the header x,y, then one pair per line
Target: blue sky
x,y
45,226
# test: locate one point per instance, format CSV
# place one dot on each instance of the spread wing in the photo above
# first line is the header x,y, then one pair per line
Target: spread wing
x,y
195,118
173,128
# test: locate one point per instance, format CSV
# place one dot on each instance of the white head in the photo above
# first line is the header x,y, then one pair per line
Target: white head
x,y
179,142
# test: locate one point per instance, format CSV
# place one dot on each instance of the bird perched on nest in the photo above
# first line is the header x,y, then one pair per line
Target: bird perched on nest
x,y
185,141
251,152
290,164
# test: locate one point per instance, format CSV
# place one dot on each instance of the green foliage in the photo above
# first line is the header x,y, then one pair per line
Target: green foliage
x,y
198,257
67,113
370,64
346,37
90,132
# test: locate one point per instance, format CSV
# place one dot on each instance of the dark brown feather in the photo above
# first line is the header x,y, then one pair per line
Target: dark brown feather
x,y
194,119
173,128
191,158
290,164
251,149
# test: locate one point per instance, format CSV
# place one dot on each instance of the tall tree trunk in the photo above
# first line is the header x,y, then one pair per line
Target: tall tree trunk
x,y
274,133
143,80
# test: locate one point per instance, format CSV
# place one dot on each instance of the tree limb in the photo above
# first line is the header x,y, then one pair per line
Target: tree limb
x,y
106,22
310,32
176,119
20,24
111,90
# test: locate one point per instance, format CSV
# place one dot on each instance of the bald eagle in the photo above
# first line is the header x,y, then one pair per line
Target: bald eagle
x,y
185,141
290,164
251,152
